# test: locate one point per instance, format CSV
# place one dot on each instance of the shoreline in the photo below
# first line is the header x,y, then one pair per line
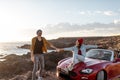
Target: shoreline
x,y
18,66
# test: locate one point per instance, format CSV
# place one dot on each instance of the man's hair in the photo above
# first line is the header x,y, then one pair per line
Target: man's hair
x,y
38,31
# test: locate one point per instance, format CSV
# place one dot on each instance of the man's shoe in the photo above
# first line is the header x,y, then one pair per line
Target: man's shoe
x,y
37,73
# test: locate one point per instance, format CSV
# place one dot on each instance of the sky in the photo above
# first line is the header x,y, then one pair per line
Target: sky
x,y
19,19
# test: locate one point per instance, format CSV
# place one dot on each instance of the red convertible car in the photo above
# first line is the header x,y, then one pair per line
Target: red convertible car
x,y
99,64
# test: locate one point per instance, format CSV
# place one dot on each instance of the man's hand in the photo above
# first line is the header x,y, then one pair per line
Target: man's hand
x,y
32,58
58,50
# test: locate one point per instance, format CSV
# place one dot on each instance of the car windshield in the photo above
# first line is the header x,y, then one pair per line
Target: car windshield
x,y
99,54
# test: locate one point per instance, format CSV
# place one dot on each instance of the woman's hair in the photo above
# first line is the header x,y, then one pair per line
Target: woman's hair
x,y
80,41
79,46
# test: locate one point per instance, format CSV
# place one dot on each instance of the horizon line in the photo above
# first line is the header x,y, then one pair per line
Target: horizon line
x,y
59,38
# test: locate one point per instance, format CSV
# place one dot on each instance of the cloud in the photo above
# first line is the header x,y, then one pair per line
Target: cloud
x,y
51,31
97,28
108,13
100,12
117,21
82,12
86,12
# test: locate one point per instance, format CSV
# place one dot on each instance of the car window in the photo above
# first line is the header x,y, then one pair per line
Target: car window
x,y
99,54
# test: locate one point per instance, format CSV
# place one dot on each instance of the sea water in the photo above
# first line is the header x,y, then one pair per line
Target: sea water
x,y
7,48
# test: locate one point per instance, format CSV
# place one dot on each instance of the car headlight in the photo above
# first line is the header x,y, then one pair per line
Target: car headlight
x,y
86,71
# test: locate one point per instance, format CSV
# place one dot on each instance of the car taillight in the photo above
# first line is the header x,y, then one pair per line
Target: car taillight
x,y
73,74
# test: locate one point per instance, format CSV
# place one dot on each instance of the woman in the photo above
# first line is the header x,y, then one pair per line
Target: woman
x,y
79,52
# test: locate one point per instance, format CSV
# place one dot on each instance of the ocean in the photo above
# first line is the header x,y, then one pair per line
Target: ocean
x,y
7,48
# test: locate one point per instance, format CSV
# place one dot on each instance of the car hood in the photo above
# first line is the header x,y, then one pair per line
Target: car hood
x,y
86,63
65,63
89,61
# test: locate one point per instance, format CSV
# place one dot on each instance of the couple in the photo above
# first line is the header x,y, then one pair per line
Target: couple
x,y
39,46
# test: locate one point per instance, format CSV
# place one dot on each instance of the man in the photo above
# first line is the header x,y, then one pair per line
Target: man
x,y
38,47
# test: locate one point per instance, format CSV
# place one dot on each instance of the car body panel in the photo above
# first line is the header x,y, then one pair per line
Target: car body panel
x,y
111,68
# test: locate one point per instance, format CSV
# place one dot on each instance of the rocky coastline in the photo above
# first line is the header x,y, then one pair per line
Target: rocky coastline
x,y
17,67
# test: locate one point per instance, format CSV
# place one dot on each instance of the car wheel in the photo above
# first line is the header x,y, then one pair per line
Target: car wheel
x,y
101,75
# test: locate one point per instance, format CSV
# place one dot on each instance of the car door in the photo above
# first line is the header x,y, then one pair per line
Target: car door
x,y
113,69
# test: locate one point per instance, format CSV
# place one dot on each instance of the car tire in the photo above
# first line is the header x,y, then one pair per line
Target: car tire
x,y
101,75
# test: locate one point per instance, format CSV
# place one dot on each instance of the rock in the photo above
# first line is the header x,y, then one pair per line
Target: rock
x,y
15,65
28,76
25,46
23,77
52,59
64,42
20,67
1,55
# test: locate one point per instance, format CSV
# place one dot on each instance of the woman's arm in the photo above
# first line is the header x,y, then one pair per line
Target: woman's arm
x,y
69,49
90,46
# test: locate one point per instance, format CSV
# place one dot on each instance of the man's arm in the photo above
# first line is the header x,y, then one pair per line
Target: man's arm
x,y
31,50
32,56
53,46
49,44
